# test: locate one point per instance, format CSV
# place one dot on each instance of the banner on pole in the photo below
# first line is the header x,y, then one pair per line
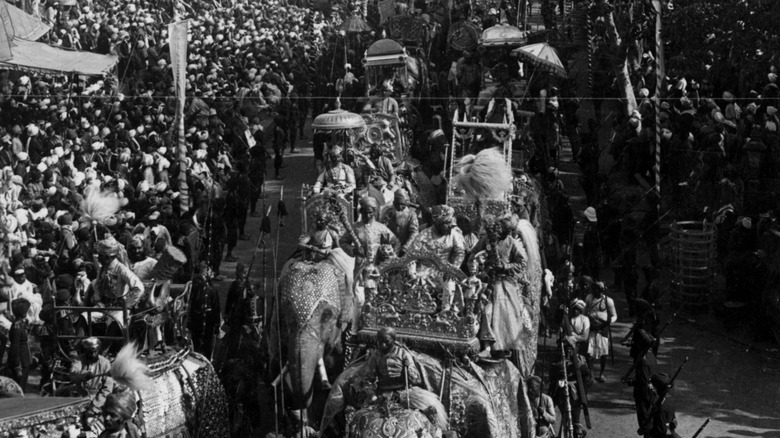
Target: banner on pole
x,y
177,32
178,46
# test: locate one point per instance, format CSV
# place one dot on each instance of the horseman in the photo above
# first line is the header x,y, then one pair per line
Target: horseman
x,y
337,175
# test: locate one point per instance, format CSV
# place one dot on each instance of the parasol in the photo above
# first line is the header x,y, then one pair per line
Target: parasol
x,y
338,119
502,35
543,56
355,24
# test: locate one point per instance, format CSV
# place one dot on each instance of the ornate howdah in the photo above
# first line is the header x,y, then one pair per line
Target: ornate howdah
x,y
423,299
485,211
335,206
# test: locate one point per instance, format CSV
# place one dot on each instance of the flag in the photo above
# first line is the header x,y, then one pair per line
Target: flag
x,y
177,32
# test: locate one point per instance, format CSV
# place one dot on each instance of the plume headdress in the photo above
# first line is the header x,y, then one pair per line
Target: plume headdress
x,y
485,175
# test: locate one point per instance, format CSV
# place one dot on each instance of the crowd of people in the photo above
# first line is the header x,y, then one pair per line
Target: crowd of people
x,y
93,191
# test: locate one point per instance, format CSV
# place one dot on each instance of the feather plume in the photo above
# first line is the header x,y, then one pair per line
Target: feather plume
x,y
127,369
99,205
485,175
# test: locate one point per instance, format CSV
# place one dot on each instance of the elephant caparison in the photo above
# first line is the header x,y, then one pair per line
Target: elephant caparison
x,y
314,308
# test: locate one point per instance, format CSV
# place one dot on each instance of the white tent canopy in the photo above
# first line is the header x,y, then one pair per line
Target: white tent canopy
x,y
43,58
19,51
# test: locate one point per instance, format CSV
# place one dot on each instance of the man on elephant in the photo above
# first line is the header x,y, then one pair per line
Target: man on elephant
x,y
116,286
393,366
401,219
444,239
369,236
337,175
388,104
322,244
89,374
317,244
506,265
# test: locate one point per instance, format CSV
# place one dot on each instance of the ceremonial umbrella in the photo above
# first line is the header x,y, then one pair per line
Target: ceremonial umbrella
x,y
543,57
338,119
355,24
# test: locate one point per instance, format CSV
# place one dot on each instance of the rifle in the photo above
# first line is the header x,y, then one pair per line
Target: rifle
x,y
569,426
699,431
660,402
575,360
633,365
609,331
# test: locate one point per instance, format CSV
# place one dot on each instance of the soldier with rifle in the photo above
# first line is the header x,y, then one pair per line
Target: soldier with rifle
x,y
566,391
545,408
663,420
242,314
205,314
643,396
567,377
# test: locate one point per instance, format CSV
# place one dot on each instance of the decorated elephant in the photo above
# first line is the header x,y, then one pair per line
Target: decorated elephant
x,y
486,400
389,419
315,305
185,398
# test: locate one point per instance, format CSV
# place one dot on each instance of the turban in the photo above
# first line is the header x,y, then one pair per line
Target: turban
x,y
577,304
590,214
20,307
336,150
108,247
443,214
368,201
660,381
122,404
322,240
90,342
401,196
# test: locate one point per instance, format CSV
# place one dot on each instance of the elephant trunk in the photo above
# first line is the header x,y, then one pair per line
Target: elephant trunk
x,y
304,352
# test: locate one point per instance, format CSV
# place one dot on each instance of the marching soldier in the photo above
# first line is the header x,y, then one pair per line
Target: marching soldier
x,y
204,319
565,391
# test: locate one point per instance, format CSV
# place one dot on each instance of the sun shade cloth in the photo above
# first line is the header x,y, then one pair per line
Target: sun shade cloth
x,y
42,58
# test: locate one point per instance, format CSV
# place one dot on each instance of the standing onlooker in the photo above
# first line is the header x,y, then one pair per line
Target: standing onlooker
x,y
591,245
601,310
19,356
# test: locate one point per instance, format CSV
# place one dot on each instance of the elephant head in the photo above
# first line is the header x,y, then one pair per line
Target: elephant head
x,y
486,401
388,419
314,305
